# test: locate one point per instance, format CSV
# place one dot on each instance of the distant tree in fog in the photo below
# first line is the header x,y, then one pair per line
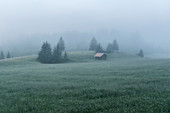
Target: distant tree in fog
x,y
8,55
61,44
45,54
99,48
141,54
115,46
109,48
57,54
93,44
2,55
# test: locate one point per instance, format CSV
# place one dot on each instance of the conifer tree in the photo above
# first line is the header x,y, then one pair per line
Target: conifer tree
x,y
115,46
99,48
109,48
8,55
141,54
93,44
45,54
2,55
57,54
61,44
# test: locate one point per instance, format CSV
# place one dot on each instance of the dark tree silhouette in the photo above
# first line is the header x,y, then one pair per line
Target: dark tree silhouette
x,y
141,54
2,55
99,48
45,54
109,48
57,54
115,46
61,44
93,44
8,55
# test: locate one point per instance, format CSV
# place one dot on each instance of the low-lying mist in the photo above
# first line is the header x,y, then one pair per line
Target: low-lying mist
x,y
25,25
129,42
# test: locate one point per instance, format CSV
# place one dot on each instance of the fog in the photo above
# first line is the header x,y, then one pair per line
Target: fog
x,y
135,24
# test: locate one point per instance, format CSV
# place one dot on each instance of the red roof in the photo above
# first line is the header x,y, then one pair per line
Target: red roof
x,y
99,54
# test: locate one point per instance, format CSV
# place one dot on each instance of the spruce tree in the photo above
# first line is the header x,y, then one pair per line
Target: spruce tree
x,y
8,55
99,48
61,44
93,44
109,48
141,54
45,54
115,46
57,54
2,55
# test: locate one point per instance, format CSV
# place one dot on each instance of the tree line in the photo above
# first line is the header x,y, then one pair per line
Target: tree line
x,y
2,56
47,55
111,47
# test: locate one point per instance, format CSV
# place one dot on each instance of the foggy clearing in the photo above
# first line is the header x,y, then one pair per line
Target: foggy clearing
x,y
135,24
84,56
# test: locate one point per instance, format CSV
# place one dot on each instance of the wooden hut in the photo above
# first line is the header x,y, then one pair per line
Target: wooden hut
x,y
100,56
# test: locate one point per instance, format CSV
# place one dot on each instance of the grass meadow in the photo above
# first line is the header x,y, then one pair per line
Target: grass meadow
x,y
121,84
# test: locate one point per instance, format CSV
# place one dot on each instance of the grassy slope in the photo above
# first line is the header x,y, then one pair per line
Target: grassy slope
x,y
123,83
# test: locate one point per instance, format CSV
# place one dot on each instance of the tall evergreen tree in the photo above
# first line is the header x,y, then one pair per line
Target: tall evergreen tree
x,y
141,54
115,46
45,54
99,48
57,54
8,55
109,48
2,55
61,44
93,44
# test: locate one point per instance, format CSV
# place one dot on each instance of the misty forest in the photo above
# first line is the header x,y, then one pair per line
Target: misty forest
x,y
84,56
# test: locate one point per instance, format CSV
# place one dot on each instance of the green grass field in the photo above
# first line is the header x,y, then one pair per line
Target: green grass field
x,y
121,84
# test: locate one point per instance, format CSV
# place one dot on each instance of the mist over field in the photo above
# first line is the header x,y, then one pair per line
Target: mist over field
x,y
144,24
84,56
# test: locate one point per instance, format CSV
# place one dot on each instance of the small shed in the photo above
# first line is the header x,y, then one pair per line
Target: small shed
x,y
100,56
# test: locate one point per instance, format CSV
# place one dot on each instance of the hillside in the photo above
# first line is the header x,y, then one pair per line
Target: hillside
x,y
122,83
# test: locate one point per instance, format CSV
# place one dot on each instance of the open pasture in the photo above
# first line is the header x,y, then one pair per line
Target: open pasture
x,y
121,84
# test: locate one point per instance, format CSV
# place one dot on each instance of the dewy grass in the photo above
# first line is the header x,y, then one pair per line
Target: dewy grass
x,y
122,83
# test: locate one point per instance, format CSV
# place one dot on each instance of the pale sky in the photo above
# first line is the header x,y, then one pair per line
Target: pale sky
x,y
149,17
31,16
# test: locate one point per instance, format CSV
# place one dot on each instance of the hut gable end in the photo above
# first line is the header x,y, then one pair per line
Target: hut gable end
x,y
100,56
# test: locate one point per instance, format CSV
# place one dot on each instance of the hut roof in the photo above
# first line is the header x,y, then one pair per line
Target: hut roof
x,y
99,54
